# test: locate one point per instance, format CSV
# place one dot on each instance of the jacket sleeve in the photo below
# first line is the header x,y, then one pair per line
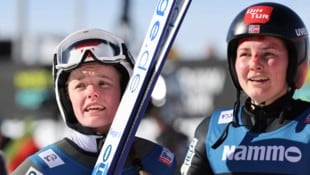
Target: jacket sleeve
x,y
196,162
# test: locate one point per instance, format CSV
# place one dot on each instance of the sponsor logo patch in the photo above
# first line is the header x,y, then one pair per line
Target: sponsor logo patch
x,y
166,157
258,14
275,153
301,31
226,117
189,156
51,158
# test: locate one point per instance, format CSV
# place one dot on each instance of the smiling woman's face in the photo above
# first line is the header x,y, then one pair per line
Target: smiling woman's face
x,y
261,67
95,93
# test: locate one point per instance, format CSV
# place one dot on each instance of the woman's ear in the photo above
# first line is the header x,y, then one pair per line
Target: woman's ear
x,y
301,75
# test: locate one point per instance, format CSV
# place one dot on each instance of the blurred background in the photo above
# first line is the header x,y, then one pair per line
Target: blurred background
x,y
195,78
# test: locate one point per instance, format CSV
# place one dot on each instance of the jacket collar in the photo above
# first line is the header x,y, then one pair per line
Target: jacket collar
x,y
89,143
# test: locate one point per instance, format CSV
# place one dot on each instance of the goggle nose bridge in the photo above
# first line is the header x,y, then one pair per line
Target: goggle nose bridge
x,y
88,53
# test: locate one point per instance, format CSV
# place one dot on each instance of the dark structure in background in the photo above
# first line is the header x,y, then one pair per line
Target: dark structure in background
x,y
5,50
197,87
26,91
125,28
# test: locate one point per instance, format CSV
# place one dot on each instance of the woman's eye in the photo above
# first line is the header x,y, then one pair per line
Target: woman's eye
x,y
102,83
244,54
268,54
79,86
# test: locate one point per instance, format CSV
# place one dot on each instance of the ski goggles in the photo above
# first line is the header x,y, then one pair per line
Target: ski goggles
x,y
78,48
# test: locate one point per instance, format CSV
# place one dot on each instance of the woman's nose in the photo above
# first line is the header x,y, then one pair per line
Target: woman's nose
x,y
256,62
92,91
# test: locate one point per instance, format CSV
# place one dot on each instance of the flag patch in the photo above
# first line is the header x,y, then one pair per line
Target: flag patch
x,y
166,157
254,29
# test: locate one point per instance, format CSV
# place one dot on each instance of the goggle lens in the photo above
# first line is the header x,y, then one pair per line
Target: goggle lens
x,y
89,50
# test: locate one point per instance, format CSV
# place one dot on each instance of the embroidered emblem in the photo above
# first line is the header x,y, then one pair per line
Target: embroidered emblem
x,y
225,117
51,158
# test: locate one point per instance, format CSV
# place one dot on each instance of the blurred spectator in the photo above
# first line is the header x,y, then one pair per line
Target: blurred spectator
x,y
211,52
3,168
168,136
19,149
4,140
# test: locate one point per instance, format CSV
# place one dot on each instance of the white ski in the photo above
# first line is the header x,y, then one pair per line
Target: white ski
x,y
163,28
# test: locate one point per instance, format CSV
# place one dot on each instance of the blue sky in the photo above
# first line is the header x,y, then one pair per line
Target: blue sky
x,y
206,23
